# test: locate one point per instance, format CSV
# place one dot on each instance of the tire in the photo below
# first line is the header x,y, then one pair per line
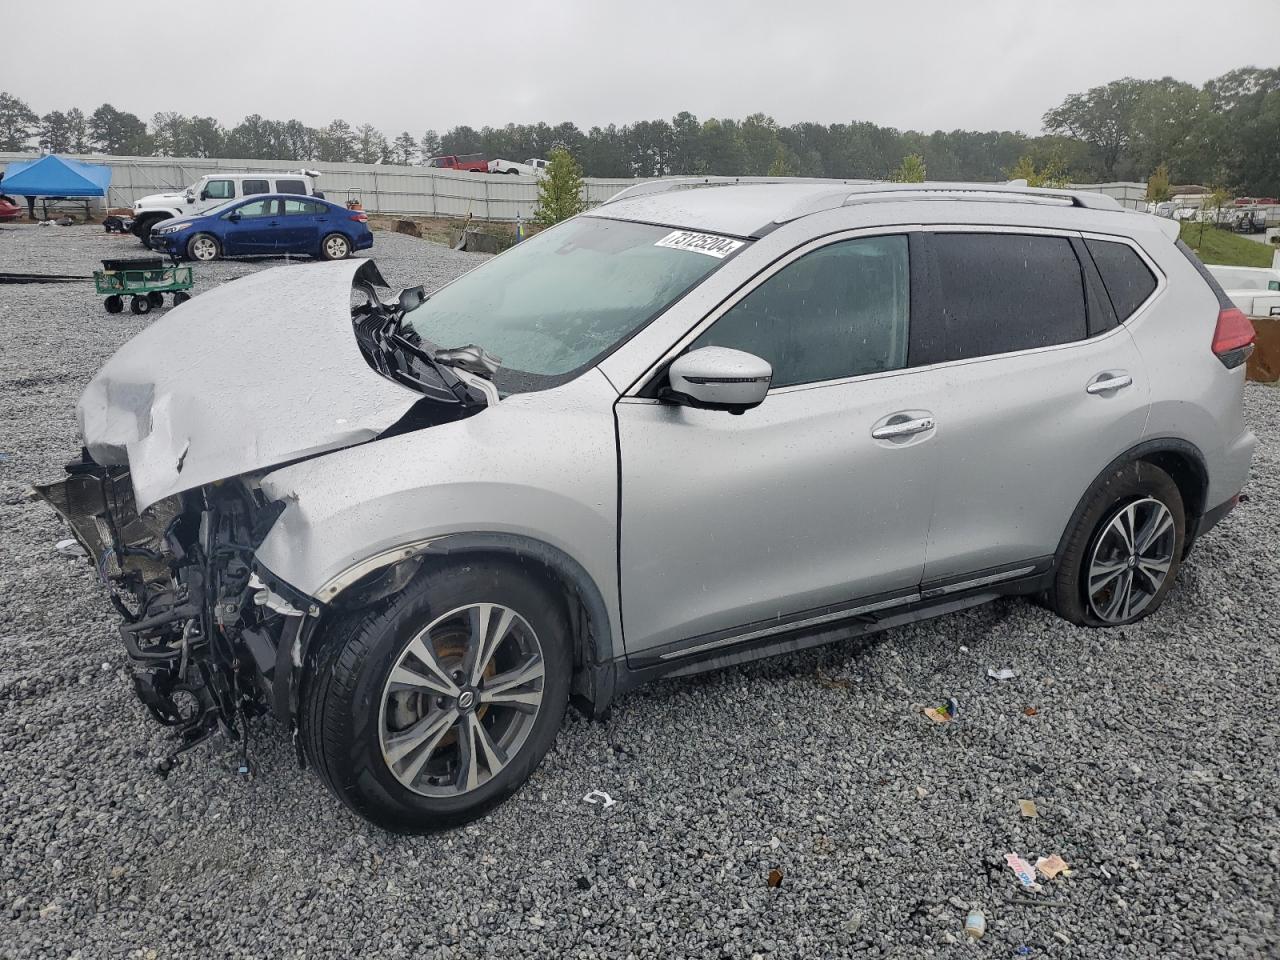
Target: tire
x,y
139,305
142,229
1098,550
114,303
204,247
180,298
156,299
353,715
335,246
512,172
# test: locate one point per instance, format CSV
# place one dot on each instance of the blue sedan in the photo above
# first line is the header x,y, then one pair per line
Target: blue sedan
x,y
265,225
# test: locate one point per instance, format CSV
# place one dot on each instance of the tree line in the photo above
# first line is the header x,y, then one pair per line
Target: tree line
x,y
1225,133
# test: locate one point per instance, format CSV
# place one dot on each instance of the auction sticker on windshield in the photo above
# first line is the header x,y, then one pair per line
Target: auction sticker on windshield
x,y
708,243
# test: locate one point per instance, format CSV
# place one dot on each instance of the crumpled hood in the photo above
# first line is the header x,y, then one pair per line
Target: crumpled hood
x,y
249,375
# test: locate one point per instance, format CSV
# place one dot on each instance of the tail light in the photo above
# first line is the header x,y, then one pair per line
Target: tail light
x,y
1233,337
362,218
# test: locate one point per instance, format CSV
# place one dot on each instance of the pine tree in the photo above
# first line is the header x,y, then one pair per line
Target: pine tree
x,y
560,191
911,170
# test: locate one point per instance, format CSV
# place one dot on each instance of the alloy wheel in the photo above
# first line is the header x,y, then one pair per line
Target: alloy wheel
x,y
461,700
335,248
203,248
1131,560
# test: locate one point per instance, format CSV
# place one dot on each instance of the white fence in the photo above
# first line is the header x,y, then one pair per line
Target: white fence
x,y
382,188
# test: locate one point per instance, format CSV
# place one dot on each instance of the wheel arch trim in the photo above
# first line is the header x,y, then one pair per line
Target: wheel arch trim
x,y
1145,451
600,644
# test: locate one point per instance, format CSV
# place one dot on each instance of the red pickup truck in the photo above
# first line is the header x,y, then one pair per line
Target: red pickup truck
x,y
475,162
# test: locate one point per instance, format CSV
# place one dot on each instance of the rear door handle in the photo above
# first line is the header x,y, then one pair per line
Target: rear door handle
x,y
907,428
1106,383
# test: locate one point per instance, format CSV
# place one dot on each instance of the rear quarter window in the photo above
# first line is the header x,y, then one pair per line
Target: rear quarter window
x,y
1128,279
291,186
1001,293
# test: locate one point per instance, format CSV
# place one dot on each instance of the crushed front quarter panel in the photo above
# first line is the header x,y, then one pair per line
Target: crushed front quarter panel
x,y
255,373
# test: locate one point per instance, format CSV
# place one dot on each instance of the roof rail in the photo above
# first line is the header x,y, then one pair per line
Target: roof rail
x,y
668,184
871,191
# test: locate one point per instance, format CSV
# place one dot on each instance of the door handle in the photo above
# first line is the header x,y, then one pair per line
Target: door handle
x,y
907,428
1104,384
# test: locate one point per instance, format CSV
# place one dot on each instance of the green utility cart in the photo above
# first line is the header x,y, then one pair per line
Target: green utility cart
x,y
145,280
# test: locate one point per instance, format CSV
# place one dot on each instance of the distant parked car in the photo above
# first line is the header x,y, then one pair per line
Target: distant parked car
x,y
9,210
214,190
272,224
530,168
471,162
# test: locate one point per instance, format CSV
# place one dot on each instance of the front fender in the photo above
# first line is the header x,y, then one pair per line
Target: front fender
x,y
537,467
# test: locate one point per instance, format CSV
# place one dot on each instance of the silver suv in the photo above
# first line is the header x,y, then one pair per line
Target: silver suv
x,y
700,424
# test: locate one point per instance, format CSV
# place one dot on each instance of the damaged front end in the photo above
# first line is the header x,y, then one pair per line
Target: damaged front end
x,y
181,424
202,629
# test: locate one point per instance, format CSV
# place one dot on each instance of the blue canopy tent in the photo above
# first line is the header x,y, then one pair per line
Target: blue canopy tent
x,y
57,177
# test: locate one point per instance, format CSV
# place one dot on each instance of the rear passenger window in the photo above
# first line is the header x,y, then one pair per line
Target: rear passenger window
x,y
251,187
998,293
840,311
291,186
1129,281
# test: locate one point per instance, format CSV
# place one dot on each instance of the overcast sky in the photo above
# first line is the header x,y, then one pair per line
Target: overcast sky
x,y
912,64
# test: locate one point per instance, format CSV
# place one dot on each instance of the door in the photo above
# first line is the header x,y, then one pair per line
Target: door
x,y
250,227
299,230
818,497
1046,391
215,192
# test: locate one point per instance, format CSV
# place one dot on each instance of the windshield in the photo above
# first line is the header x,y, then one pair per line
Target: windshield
x,y
557,302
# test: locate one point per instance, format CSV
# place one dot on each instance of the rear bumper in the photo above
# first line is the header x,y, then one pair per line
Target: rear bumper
x,y
1212,517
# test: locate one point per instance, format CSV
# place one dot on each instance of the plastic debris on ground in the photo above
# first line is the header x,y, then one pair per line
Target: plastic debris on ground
x,y
775,878
975,924
943,712
1022,870
1028,809
600,797
69,548
1004,673
1029,711
1049,867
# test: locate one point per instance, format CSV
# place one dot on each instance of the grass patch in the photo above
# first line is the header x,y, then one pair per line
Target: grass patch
x,y
1226,248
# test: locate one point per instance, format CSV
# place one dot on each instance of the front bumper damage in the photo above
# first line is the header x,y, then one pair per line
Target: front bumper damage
x,y
209,642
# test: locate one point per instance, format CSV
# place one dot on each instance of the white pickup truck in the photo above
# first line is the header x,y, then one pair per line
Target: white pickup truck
x,y
530,168
215,188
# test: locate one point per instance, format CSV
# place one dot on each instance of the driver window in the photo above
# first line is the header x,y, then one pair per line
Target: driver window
x,y
840,311
219,190
259,208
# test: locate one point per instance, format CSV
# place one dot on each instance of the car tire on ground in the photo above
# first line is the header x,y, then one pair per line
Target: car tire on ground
x,y
114,303
513,171
142,228
140,305
1122,556
335,247
203,247
417,746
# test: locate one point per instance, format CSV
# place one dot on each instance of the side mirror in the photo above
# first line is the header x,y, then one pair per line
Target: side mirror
x,y
718,378
191,197
233,217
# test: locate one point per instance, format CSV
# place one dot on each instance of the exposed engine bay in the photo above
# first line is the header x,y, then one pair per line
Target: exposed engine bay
x,y
201,627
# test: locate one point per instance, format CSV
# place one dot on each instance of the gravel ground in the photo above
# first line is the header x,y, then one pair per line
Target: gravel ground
x,y
1151,753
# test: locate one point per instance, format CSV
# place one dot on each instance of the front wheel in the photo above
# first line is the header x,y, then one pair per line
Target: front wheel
x,y
335,247
429,711
139,304
1123,553
203,247
114,303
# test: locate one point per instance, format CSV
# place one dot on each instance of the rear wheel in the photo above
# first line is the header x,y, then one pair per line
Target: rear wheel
x,y
156,299
114,303
335,247
181,297
140,305
1123,554
431,710
203,247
